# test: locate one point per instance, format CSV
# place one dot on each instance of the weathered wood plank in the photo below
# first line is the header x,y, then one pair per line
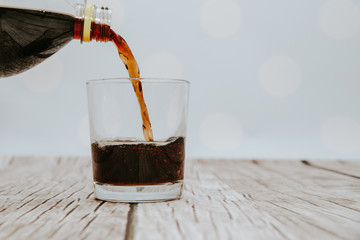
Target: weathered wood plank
x,y
52,198
342,191
306,196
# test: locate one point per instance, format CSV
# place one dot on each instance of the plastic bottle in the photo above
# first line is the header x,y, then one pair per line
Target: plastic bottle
x,y
30,36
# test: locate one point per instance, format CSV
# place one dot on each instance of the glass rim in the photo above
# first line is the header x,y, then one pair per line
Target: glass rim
x,y
143,80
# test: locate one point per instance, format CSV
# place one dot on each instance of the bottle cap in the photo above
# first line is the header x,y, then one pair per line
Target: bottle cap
x,y
89,9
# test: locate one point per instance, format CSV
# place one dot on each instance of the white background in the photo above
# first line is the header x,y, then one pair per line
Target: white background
x,y
270,79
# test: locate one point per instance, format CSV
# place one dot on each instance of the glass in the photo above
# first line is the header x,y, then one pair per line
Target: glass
x,y
126,168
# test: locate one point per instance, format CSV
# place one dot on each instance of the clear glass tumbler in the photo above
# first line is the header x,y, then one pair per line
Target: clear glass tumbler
x,y
126,167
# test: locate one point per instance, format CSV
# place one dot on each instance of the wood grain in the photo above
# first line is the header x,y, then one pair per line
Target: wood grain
x,y
348,168
51,198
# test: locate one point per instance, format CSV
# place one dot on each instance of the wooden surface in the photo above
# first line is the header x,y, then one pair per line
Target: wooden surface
x,y
51,198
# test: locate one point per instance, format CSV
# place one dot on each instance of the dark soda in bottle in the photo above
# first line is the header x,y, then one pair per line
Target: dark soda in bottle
x,y
29,36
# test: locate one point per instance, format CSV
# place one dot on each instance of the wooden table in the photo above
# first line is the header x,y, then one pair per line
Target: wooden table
x,y
52,198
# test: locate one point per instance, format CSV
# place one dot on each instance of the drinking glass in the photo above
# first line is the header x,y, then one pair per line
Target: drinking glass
x,y
126,167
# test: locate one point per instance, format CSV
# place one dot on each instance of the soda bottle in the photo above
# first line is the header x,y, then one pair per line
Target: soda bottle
x,y
30,36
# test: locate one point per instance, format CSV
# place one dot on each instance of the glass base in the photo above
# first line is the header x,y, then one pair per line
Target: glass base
x,y
138,193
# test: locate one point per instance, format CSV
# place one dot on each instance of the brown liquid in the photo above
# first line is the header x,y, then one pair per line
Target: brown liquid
x,y
134,73
126,163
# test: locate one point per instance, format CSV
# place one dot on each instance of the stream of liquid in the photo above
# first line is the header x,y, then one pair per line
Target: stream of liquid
x,y
134,73
101,32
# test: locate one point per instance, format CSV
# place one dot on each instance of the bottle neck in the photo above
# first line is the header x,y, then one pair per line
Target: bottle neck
x,y
92,23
